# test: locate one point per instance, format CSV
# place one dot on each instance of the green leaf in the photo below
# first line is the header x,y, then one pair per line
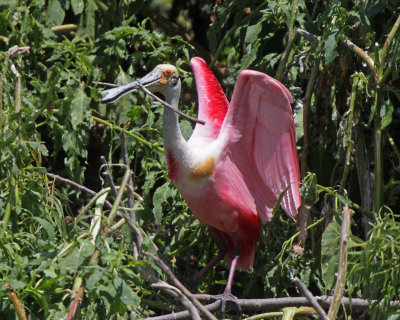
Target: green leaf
x,y
386,113
77,6
330,46
79,104
127,296
55,13
252,32
159,197
329,253
94,279
46,226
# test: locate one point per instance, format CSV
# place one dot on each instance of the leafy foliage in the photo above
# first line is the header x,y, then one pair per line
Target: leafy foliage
x,y
51,121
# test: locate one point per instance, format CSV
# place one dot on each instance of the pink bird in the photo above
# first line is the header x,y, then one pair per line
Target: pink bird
x,y
233,169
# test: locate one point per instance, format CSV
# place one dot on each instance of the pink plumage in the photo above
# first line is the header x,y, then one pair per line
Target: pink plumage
x,y
254,158
233,169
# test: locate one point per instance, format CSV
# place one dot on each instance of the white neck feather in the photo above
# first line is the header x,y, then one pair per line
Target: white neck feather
x,y
173,139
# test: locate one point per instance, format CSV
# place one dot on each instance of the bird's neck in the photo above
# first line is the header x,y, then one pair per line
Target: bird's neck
x,y
173,139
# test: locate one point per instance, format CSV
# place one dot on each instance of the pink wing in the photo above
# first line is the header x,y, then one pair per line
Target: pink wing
x,y
213,104
261,141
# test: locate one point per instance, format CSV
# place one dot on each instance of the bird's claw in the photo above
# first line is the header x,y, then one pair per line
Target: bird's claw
x,y
225,297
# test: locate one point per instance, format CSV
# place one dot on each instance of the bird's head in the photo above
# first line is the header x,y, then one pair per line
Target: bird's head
x,y
163,78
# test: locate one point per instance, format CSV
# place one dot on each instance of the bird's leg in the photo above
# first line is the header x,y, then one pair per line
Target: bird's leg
x,y
221,254
227,295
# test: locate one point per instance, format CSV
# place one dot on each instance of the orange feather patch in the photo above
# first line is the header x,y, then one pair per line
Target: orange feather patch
x,y
203,170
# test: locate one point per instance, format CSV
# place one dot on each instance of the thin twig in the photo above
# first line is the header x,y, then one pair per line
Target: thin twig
x,y
131,196
350,45
342,267
136,235
306,108
144,89
311,299
58,178
349,131
136,137
106,84
108,175
291,41
386,46
71,183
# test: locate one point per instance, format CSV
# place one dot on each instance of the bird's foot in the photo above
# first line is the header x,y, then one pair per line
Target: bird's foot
x,y
225,297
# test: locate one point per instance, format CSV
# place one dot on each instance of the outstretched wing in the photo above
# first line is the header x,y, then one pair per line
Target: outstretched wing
x,y
212,102
260,134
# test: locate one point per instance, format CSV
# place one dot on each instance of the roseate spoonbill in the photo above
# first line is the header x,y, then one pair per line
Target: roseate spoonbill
x,y
233,169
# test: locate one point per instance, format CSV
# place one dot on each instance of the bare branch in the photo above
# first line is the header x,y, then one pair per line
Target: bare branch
x,y
311,299
16,304
388,41
350,45
361,53
306,35
349,131
184,300
74,306
185,314
108,175
165,268
137,238
106,84
279,303
144,89
342,267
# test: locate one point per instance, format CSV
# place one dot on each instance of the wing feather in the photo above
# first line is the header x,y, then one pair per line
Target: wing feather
x,y
260,134
212,102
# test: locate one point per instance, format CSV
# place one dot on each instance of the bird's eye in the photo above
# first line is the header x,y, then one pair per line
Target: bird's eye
x,y
168,73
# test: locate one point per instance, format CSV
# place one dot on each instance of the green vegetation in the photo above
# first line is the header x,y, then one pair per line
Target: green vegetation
x,y
61,248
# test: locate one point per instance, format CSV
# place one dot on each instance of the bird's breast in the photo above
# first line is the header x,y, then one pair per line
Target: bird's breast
x,y
202,170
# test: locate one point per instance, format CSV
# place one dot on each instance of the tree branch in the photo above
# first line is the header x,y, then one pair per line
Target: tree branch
x,y
310,298
388,41
279,303
342,267
184,300
16,304
165,268
275,304
190,118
